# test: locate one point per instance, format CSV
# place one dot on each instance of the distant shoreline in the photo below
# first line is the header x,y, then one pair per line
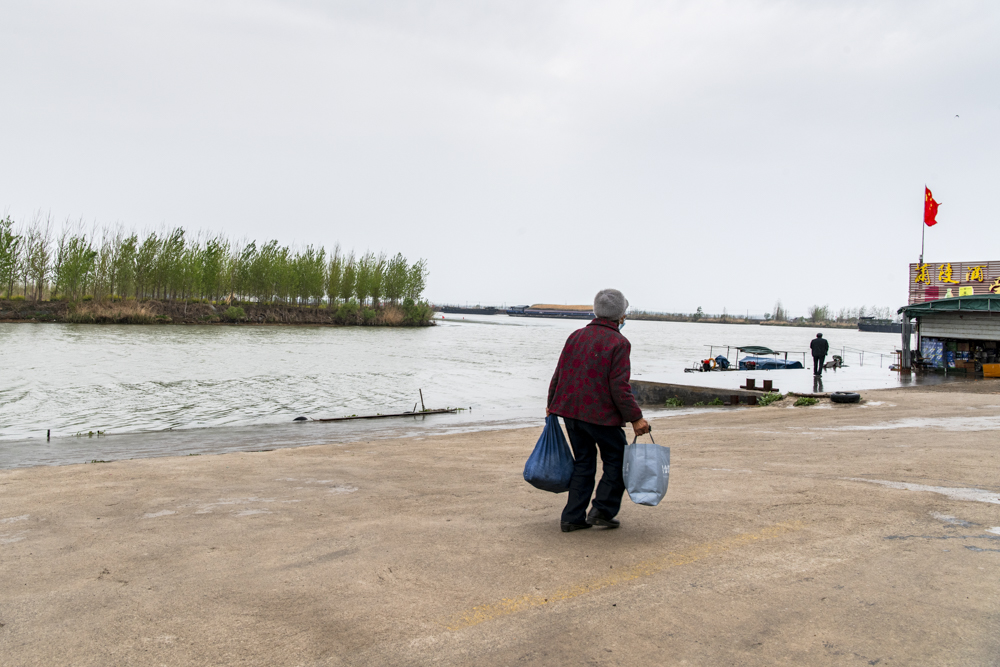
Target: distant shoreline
x,y
667,317
742,320
130,311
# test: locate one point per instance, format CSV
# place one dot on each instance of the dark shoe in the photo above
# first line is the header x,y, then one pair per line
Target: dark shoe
x,y
596,520
568,527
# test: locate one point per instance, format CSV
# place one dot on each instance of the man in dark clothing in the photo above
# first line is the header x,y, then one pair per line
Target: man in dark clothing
x,y
590,391
819,346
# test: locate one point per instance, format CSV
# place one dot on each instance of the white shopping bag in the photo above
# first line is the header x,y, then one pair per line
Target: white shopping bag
x,y
646,471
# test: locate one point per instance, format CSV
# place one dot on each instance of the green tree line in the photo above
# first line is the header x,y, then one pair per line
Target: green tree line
x,y
174,265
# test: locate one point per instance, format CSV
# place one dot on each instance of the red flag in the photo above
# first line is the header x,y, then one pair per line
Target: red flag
x,y
930,208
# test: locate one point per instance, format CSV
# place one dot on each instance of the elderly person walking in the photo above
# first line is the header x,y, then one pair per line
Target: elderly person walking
x,y
590,391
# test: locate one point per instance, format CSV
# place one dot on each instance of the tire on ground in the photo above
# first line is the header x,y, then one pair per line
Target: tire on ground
x,y
845,397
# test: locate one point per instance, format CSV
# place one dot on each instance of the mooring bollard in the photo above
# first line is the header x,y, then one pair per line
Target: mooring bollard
x,y
734,399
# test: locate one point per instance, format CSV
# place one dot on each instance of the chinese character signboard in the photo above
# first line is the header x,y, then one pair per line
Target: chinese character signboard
x,y
943,280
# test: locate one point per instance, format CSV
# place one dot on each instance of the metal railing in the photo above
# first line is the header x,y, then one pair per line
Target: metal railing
x,y
844,350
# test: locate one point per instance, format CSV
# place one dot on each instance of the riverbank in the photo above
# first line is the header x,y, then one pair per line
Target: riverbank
x,y
789,535
668,317
150,311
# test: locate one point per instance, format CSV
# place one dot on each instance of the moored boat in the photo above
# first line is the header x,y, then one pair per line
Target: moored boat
x,y
469,310
554,311
881,326
758,358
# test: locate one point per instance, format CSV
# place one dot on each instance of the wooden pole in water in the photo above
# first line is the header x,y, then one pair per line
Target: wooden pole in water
x,y
422,406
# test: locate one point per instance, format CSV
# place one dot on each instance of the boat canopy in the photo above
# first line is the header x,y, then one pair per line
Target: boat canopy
x,y
988,303
756,350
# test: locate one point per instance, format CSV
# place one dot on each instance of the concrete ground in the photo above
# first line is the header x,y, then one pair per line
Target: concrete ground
x,y
828,535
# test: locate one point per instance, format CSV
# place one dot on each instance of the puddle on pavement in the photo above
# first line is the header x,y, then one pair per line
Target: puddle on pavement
x,y
989,423
974,495
947,518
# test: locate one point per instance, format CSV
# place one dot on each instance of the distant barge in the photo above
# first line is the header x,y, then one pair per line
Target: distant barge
x,y
548,310
881,326
469,310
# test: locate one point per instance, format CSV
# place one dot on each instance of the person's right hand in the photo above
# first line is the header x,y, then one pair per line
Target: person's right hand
x,y
641,426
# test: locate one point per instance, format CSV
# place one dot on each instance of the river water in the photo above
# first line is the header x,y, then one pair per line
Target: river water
x,y
171,390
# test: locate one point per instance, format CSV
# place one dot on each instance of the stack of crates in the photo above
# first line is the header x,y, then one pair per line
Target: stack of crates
x,y
932,350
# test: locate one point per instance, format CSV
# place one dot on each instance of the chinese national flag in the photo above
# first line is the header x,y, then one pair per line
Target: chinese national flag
x,y
930,208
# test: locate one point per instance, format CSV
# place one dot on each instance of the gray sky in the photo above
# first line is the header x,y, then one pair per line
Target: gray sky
x,y
714,154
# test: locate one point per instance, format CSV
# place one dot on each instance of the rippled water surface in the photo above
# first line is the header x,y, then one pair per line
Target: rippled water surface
x,y
160,390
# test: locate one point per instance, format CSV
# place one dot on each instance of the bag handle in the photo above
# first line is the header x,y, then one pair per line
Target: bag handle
x,y
650,436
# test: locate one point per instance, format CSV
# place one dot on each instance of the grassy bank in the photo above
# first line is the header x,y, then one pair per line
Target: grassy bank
x,y
130,311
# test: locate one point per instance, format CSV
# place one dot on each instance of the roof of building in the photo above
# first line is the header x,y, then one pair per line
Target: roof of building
x,y
982,303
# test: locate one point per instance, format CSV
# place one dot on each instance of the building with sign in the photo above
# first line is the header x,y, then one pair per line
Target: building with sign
x,y
954,309
946,280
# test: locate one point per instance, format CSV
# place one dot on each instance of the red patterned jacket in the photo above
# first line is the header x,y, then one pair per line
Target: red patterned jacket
x,y
591,380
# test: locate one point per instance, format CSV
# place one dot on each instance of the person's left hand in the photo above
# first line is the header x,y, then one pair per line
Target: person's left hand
x,y
641,426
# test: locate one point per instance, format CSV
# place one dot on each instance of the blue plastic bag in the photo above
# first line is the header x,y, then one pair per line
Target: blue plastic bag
x,y
550,466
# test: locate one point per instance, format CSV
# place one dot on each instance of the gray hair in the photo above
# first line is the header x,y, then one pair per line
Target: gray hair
x,y
610,303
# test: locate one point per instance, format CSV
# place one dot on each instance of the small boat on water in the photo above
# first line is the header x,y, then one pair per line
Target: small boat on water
x,y
757,358
550,310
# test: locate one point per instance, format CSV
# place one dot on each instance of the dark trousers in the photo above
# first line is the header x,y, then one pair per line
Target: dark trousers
x,y
586,439
818,365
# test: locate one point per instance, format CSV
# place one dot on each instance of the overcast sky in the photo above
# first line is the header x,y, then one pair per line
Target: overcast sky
x,y
714,154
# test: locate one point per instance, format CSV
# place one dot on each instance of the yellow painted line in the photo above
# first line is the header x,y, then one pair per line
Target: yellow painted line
x,y
508,606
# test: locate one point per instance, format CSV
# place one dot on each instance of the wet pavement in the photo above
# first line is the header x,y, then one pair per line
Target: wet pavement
x,y
801,380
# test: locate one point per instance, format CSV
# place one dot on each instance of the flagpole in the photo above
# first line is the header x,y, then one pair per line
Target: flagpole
x,y
923,228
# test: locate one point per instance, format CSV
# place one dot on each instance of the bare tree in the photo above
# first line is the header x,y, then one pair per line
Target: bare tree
x,y
780,314
819,313
10,249
36,256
